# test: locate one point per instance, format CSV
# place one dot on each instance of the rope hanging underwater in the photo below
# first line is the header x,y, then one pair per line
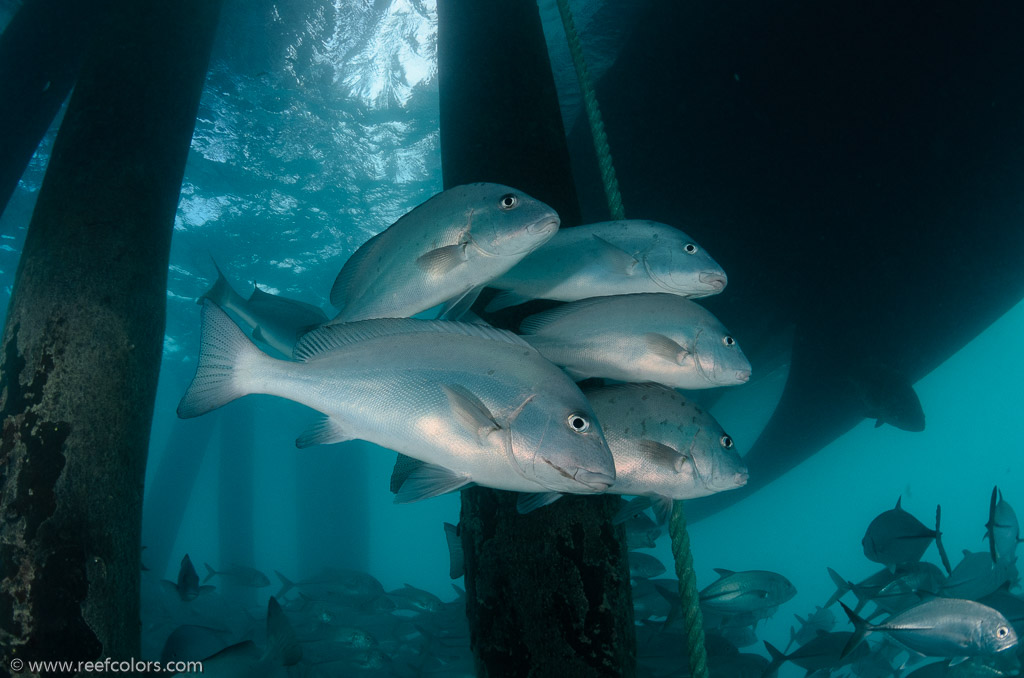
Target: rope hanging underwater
x,y
694,620
604,154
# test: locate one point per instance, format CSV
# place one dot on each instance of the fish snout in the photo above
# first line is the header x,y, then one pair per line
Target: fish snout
x,y
742,376
740,478
716,280
595,480
549,225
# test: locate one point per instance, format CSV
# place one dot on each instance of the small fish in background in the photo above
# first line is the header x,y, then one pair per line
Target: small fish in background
x,y
896,538
472,403
246,659
941,627
608,258
865,590
645,566
641,531
977,576
192,642
748,591
187,587
411,598
823,652
456,557
888,397
444,250
276,321
349,586
1002,529
239,575
820,620
661,338
664,447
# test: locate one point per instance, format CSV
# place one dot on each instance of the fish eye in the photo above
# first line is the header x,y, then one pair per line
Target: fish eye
x,y
509,201
578,423
690,248
1002,632
726,442
728,341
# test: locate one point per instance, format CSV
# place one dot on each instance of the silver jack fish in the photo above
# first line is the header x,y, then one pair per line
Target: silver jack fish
x,y
942,627
608,258
662,338
276,321
444,250
474,404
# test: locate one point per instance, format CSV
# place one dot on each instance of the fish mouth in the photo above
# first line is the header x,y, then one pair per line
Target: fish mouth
x,y
549,225
742,376
740,478
714,279
597,481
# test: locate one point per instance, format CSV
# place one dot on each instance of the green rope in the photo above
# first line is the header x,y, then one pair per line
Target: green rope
x,y
696,651
694,620
604,154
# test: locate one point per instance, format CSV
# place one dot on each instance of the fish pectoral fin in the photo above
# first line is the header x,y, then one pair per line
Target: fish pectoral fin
x,y
662,455
455,307
722,572
429,480
443,260
504,300
530,501
957,660
614,258
324,432
662,508
470,411
665,347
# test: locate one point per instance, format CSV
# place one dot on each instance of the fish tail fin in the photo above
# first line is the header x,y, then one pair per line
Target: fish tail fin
x,y
286,585
778,659
221,292
210,572
226,356
938,540
860,629
842,586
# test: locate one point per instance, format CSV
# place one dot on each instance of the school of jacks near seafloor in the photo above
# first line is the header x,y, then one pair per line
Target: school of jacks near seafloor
x,y
464,403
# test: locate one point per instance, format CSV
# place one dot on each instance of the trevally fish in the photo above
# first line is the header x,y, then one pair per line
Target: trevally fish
x,y
239,574
821,620
474,404
824,651
977,576
941,627
444,250
888,397
276,321
245,659
611,257
736,592
662,338
895,538
664,446
644,566
187,587
1002,529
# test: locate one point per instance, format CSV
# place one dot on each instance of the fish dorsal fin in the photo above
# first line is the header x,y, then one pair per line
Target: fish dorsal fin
x,y
614,258
898,507
722,572
470,411
535,323
340,291
504,300
325,340
281,642
662,455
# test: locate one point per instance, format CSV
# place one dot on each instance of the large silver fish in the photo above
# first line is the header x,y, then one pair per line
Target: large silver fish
x,y
664,446
749,591
444,250
475,404
942,627
276,321
662,338
608,258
